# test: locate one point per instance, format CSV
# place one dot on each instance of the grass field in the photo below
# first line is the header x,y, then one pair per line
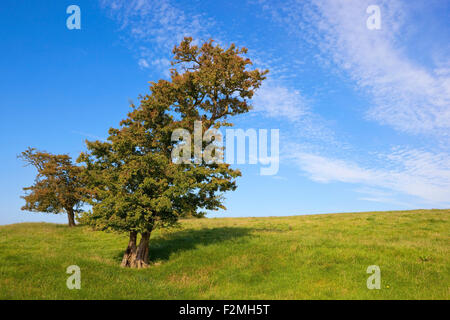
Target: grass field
x,y
299,257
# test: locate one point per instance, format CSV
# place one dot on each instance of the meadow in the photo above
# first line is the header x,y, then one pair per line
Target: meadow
x,y
298,257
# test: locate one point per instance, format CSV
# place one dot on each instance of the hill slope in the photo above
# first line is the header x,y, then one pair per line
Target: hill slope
x,y
301,257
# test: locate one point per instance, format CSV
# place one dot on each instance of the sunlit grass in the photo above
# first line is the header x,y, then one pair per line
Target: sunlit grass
x,y
301,257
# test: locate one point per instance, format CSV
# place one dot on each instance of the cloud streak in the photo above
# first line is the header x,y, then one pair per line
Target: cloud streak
x,y
421,174
153,28
409,96
277,101
405,94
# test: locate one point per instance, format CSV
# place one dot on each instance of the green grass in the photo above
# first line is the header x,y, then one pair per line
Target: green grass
x,y
301,257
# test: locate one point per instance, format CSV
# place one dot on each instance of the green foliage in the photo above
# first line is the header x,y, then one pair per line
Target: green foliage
x,y
59,185
136,186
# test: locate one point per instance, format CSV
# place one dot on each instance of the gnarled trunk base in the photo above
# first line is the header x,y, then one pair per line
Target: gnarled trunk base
x,y
136,256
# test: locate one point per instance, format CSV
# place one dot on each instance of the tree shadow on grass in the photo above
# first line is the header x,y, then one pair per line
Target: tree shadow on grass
x,y
163,246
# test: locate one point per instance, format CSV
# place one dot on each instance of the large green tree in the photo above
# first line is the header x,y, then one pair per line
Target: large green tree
x,y
59,185
136,185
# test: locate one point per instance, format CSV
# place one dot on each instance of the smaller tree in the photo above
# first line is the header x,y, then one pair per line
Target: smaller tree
x,y
59,185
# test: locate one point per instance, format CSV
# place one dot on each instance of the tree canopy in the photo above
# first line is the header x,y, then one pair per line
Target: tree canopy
x,y
59,185
136,186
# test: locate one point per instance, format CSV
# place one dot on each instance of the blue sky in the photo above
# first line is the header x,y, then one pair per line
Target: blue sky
x,y
364,115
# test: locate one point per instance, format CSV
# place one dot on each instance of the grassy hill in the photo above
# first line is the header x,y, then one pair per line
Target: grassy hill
x,y
300,257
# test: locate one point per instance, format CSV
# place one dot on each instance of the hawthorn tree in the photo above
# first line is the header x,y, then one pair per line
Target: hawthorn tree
x,y
135,183
59,185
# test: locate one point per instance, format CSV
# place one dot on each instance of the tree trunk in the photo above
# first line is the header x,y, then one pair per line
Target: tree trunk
x,y
137,257
130,254
71,217
142,251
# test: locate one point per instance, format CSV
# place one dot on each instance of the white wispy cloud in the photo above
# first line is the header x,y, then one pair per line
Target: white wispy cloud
x,y
412,172
405,94
402,93
153,28
295,116
143,63
274,100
